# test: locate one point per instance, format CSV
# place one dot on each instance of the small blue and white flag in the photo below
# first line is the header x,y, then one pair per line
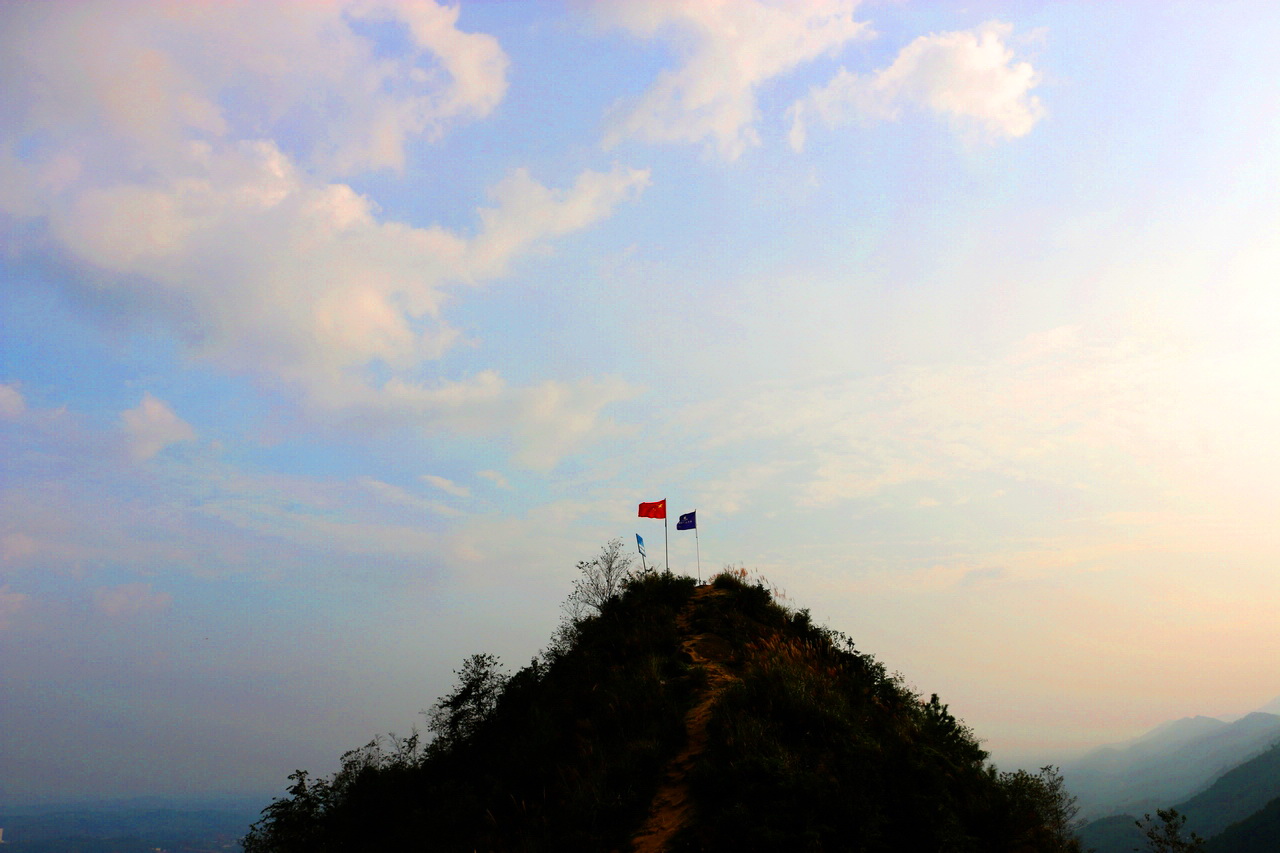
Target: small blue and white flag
x,y
688,521
640,545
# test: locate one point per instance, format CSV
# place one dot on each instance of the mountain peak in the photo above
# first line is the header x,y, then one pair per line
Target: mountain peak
x,y
1185,728
678,717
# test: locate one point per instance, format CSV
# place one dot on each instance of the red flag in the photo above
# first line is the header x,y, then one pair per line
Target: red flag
x,y
656,509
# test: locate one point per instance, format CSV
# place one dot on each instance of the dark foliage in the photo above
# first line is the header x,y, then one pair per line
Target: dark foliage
x,y
811,746
1112,834
1259,833
817,747
455,718
599,579
567,758
1167,833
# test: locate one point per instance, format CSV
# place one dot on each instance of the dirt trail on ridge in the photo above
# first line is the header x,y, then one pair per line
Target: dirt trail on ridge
x,y
671,809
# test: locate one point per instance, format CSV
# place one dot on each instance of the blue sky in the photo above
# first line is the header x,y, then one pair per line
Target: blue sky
x,y
334,334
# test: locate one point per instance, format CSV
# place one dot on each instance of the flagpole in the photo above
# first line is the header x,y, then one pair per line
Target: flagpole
x,y
698,545
665,549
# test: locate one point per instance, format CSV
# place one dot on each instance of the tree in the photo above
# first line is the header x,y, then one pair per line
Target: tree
x,y
1164,835
292,823
455,717
602,578
1045,814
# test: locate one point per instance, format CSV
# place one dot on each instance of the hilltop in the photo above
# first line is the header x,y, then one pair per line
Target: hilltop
x,y
679,717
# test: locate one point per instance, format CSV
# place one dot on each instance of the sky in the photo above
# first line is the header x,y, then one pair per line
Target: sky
x,y
334,334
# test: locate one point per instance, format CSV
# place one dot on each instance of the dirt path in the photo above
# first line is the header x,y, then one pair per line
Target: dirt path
x,y
671,809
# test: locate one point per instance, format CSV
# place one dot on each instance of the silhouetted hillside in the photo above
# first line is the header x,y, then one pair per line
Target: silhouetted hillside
x,y
678,718
1112,834
1259,833
1237,794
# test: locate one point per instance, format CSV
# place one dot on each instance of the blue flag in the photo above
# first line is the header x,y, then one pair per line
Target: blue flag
x,y
688,521
640,545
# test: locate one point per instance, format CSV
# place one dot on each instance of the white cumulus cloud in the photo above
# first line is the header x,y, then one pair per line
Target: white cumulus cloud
x,y
298,281
728,49
153,74
152,427
192,155
970,77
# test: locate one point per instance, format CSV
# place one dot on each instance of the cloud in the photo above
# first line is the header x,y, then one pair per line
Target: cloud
x,y
15,547
70,504
11,604
12,405
496,478
211,520
545,421
969,77
1061,408
298,282
396,495
130,600
729,49
446,485
733,491
475,67
157,74
152,427
187,155
983,576
527,212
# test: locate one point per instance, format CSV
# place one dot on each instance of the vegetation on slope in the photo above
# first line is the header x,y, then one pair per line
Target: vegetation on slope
x,y
674,717
1258,833
1237,794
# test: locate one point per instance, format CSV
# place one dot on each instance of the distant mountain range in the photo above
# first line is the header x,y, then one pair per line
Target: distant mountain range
x,y
1169,764
1181,764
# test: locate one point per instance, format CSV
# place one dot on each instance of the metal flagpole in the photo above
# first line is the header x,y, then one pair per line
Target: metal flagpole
x,y
698,545
665,549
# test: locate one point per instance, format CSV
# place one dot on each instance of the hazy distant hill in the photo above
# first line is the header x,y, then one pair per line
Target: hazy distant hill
x,y
126,828
1237,794
1112,834
678,718
1237,797
1168,764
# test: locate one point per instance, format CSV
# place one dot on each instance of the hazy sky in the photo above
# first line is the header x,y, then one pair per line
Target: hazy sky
x,y
333,334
